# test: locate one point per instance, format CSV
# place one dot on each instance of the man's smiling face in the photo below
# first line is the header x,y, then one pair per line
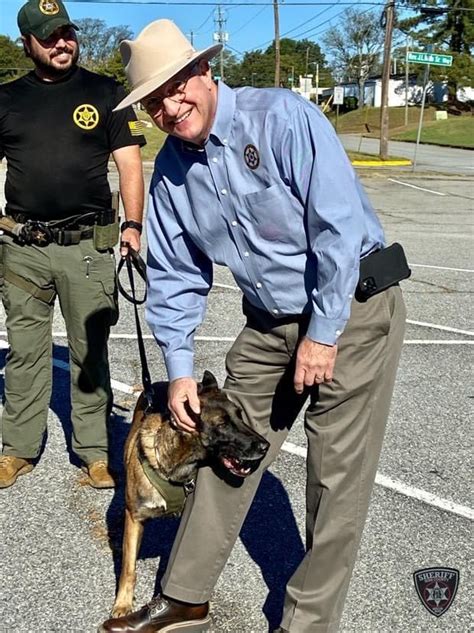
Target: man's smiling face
x,y
185,106
55,55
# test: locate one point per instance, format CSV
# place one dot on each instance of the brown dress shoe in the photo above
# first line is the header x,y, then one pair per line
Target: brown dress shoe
x,y
12,467
164,615
99,475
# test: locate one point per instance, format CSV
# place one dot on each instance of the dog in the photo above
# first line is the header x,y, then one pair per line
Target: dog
x,y
154,445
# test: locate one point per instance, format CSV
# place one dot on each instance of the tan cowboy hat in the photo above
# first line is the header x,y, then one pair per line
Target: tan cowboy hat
x,y
158,53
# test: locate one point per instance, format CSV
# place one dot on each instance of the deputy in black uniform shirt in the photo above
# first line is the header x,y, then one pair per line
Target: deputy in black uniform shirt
x,y
57,132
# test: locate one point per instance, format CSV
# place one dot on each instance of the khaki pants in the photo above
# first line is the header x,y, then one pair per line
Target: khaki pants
x,y
84,281
344,424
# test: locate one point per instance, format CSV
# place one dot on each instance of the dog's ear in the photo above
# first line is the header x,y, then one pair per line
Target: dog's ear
x,y
208,382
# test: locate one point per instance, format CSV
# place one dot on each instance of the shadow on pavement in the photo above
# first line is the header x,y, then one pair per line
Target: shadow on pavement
x,y
272,539
269,534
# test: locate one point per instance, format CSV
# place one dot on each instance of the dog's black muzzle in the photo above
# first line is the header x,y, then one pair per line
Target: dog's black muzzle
x,y
239,448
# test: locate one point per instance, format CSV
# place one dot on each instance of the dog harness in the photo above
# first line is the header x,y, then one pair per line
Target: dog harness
x,y
173,493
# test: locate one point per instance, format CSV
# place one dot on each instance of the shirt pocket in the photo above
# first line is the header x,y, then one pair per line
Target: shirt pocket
x,y
273,211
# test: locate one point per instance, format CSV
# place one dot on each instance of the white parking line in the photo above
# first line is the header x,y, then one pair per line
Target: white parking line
x,y
381,480
132,337
231,339
406,184
228,286
457,270
422,341
120,386
440,327
401,488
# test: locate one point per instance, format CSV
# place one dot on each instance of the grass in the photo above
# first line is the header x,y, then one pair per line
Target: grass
x,y
370,157
367,120
456,131
154,137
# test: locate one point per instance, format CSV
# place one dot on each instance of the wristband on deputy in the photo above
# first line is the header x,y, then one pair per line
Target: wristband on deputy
x,y
131,224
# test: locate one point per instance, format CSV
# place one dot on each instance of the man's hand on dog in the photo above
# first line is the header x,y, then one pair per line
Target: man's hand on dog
x,y
182,392
314,364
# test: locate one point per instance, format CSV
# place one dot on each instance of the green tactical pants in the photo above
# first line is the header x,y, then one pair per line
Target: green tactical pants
x,y
344,425
84,281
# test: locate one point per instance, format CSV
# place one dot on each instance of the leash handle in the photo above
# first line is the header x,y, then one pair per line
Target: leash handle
x,y
134,259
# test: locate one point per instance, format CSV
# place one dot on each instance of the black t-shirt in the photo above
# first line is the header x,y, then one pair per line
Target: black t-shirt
x,y
57,138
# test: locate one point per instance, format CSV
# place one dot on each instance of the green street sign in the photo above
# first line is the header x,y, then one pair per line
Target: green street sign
x,y
430,58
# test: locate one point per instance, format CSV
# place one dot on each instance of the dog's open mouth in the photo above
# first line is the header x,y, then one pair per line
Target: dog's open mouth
x,y
237,467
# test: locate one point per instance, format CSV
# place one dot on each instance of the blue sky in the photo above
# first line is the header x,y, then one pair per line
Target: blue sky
x,y
248,27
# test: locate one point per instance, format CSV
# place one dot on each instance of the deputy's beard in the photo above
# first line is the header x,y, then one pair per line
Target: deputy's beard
x,y
46,67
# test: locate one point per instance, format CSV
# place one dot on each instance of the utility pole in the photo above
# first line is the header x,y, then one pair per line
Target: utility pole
x,y
221,36
387,49
407,79
317,84
276,20
191,37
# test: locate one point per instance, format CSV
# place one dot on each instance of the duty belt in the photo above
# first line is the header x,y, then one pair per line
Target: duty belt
x,y
62,232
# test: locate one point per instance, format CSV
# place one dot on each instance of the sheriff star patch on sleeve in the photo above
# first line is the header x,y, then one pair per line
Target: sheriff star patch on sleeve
x,y
136,128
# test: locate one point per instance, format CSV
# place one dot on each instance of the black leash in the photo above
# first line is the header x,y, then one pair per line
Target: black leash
x,y
133,260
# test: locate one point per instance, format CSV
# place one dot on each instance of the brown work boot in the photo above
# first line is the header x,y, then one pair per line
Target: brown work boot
x,y
99,474
12,467
164,615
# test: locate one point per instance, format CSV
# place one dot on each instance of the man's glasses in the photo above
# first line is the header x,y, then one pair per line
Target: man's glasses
x,y
174,90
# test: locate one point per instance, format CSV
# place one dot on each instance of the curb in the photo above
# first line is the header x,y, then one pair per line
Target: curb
x,y
381,163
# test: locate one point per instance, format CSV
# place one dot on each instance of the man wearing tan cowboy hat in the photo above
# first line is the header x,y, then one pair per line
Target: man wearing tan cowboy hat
x,y
57,133
257,180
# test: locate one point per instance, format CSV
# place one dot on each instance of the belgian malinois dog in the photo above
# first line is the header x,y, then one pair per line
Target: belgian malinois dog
x,y
155,443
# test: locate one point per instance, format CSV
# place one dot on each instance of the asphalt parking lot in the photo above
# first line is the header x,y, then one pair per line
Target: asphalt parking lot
x,y
60,540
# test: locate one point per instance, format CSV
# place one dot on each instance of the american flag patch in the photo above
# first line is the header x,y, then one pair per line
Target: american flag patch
x,y
136,128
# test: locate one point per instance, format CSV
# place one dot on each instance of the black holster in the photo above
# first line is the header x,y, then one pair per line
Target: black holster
x,y
381,270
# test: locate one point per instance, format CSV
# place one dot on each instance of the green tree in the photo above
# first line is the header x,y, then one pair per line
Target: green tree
x,y
448,24
232,69
448,27
258,69
113,67
355,46
297,57
99,42
13,62
301,58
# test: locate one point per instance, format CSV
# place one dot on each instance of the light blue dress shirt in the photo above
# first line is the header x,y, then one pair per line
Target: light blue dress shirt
x,y
273,196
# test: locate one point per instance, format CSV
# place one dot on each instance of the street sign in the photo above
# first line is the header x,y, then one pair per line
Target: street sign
x,y
338,95
434,59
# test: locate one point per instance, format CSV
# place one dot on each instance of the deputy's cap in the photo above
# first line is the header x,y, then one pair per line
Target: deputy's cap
x,y
42,17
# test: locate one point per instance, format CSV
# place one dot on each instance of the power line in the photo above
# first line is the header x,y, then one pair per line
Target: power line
x,y
235,50
318,26
315,29
205,21
227,4
251,20
295,28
